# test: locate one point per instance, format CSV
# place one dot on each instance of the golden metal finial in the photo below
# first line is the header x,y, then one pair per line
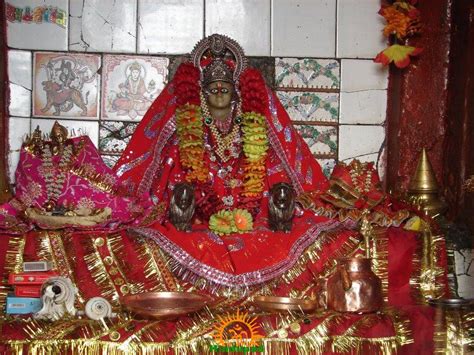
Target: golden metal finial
x,y
424,179
423,189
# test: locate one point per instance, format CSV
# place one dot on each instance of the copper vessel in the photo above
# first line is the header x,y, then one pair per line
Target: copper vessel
x,y
354,287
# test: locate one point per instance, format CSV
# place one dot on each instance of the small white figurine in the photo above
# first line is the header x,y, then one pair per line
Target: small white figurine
x,y
57,294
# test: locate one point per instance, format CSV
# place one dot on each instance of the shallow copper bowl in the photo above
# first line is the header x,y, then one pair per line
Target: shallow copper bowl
x,y
159,305
451,302
279,304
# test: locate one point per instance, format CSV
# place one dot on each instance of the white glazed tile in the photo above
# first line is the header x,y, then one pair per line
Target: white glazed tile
x,y
246,21
127,94
103,26
75,128
18,129
464,266
19,68
34,24
303,28
20,101
172,26
310,106
307,73
359,29
13,159
367,107
362,74
360,141
70,79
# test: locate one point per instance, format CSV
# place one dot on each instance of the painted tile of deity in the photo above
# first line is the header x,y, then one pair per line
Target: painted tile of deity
x,y
66,85
310,106
307,73
321,140
130,85
115,135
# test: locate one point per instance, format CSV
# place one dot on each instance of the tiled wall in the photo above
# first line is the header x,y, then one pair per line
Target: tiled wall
x,y
82,54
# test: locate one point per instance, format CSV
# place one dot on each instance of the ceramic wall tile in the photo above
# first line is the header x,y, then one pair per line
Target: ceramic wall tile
x,y
18,129
130,84
464,265
307,73
37,24
75,128
304,28
115,135
246,21
310,106
362,74
359,29
368,107
110,160
66,85
20,101
360,141
103,26
321,140
172,26
327,165
13,159
19,68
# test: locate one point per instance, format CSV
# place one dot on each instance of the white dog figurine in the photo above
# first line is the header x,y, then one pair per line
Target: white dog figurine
x,y
57,294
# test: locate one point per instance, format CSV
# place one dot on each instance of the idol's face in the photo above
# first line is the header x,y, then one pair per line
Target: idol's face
x,y
58,136
135,74
219,94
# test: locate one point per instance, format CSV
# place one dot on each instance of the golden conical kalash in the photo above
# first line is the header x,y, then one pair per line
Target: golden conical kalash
x,y
424,190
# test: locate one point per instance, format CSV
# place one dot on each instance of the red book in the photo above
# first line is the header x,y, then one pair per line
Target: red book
x,y
30,278
28,291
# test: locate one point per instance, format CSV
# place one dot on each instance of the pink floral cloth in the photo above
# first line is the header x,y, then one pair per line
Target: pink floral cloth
x,y
87,183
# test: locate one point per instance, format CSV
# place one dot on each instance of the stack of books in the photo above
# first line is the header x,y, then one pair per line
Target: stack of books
x,y
26,298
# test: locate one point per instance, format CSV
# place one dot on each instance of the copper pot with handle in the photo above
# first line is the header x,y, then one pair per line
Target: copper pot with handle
x,y
354,287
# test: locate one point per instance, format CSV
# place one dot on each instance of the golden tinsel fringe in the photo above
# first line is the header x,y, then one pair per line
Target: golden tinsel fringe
x,y
116,251
99,273
454,331
157,271
86,347
13,264
379,255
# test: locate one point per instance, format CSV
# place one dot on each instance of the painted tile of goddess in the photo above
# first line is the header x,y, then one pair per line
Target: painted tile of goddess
x,y
130,85
66,85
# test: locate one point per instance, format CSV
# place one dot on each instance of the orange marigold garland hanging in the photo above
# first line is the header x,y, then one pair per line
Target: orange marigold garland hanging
x,y
403,21
191,142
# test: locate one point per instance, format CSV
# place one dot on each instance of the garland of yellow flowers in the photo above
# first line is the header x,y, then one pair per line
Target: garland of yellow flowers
x,y
255,146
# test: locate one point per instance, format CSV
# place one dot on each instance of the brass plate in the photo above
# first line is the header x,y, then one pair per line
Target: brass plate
x,y
160,305
279,304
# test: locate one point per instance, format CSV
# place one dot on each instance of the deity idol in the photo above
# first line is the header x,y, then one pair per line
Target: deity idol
x,y
218,127
62,183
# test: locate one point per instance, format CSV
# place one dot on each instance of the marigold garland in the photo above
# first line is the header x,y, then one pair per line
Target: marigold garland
x,y
227,222
191,142
255,149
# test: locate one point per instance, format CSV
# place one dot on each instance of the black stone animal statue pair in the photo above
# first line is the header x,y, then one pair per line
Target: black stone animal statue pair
x,y
281,207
